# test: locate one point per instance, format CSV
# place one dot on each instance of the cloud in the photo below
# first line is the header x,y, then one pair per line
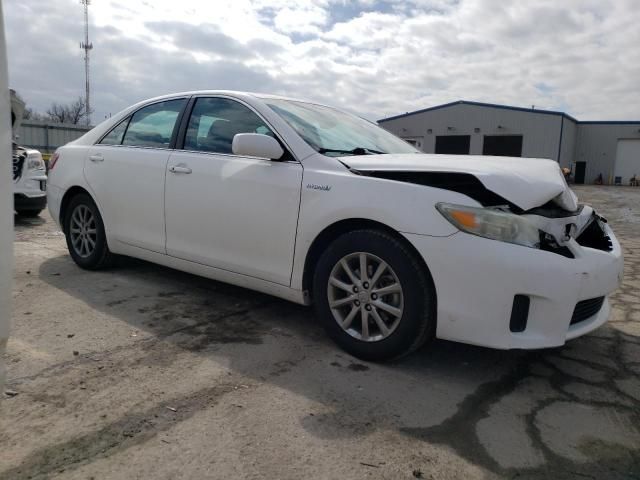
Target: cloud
x,y
204,37
374,57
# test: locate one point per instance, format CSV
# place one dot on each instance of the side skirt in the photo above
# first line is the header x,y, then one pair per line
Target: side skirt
x,y
244,281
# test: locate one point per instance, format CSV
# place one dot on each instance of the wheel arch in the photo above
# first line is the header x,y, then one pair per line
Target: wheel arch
x,y
66,199
333,231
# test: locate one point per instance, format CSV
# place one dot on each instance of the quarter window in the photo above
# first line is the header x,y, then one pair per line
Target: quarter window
x,y
114,137
153,126
215,121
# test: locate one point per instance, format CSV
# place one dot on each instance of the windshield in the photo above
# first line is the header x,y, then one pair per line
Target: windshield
x,y
335,133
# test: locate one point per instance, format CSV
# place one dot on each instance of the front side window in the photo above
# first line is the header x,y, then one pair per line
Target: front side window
x,y
152,126
114,137
335,133
215,121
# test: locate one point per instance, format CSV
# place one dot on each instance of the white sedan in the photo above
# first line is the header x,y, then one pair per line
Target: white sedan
x,y
305,202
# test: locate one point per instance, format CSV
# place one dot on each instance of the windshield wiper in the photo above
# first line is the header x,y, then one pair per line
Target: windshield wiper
x,y
354,151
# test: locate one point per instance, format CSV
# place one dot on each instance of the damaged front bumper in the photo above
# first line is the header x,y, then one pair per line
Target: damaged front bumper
x,y
481,283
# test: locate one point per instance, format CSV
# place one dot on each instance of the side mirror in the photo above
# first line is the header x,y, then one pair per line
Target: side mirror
x,y
256,145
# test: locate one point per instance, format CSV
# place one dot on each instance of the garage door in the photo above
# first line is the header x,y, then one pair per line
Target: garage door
x,y
453,144
502,145
627,160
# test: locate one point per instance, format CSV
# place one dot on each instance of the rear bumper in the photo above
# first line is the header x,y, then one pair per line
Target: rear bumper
x,y
25,202
30,191
476,280
54,199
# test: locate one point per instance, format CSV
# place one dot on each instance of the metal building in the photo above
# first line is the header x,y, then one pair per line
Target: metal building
x,y
610,148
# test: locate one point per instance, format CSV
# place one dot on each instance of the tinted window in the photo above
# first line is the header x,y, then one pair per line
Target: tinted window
x,y
153,126
215,121
114,137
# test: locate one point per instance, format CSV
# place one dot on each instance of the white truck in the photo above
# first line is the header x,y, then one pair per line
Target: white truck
x,y
29,170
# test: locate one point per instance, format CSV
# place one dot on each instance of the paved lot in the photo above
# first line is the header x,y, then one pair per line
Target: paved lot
x,y
145,372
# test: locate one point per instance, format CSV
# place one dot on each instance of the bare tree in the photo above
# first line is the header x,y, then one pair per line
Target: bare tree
x,y
31,114
73,112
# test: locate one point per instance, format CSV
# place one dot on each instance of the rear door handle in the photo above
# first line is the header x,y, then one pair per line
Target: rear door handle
x,y
179,169
96,158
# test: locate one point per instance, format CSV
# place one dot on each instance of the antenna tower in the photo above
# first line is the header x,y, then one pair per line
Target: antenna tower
x,y
86,46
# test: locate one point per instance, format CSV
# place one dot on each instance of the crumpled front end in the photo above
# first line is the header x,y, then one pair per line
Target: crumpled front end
x,y
503,295
528,268
507,296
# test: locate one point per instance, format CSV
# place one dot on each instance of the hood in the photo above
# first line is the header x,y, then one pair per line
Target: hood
x,y
526,182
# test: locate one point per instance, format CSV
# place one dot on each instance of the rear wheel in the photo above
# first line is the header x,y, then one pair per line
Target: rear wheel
x,y
84,231
373,296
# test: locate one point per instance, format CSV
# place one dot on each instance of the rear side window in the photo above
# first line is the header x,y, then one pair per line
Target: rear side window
x,y
114,137
153,126
215,121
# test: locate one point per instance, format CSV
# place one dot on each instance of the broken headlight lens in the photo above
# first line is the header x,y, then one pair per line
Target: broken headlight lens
x,y
493,224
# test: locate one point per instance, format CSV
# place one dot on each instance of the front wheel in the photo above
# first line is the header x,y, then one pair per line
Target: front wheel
x,y
85,234
373,296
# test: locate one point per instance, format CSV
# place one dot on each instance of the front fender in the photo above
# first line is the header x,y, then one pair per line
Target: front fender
x,y
329,197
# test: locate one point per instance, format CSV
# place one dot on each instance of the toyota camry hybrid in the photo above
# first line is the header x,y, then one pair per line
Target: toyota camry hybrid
x,y
391,246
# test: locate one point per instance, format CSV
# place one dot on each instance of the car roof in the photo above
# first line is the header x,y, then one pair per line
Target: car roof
x,y
237,93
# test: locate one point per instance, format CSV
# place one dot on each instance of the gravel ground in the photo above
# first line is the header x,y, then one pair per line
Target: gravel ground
x,y
145,372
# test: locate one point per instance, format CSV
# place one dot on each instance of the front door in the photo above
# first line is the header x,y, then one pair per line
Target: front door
x,y
581,168
226,211
126,173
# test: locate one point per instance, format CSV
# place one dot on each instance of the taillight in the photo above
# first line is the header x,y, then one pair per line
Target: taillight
x,y
53,160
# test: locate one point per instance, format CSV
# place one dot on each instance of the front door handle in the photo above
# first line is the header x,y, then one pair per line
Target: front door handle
x,y
179,169
96,158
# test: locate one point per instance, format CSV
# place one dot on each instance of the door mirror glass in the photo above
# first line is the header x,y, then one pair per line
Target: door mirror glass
x,y
256,145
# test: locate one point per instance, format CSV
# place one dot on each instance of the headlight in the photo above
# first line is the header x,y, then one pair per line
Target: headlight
x,y
493,224
35,162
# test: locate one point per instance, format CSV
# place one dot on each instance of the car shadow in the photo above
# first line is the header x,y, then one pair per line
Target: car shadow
x,y
20,221
466,398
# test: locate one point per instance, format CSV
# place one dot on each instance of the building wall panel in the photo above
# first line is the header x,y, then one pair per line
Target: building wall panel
x,y
568,146
541,131
597,144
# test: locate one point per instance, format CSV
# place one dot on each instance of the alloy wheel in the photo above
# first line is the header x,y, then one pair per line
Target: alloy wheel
x,y
365,296
83,231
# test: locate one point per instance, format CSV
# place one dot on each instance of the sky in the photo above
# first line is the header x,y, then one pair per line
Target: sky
x,y
372,57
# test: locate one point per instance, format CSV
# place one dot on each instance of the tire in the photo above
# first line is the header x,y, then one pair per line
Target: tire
x,y
28,213
97,255
413,322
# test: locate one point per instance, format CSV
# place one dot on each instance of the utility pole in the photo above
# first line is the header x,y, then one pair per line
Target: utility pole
x,y
86,46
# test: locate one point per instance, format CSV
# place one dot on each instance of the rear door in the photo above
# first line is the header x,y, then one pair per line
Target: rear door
x,y
227,211
126,171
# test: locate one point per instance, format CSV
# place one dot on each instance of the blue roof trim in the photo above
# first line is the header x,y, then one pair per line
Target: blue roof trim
x,y
610,122
517,109
480,104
